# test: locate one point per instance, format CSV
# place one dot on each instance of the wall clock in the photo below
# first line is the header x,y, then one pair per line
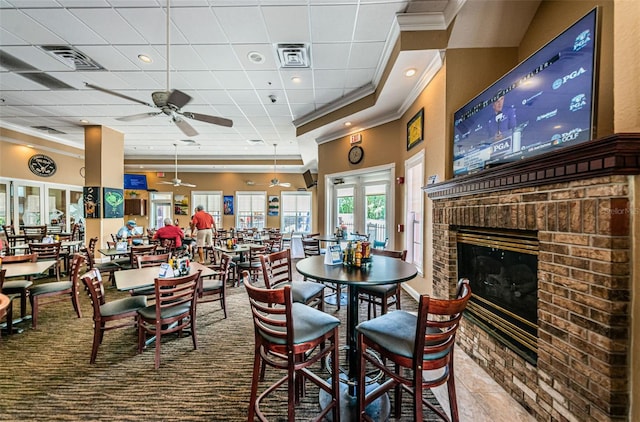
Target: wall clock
x,y
42,165
356,154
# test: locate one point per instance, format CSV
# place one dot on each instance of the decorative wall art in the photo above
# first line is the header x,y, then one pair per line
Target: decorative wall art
x,y
274,206
415,129
228,204
113,202
91,195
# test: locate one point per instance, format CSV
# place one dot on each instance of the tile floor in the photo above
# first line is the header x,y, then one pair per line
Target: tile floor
x,y
480,398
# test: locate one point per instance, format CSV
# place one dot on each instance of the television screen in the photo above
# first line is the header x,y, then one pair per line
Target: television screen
x,y
545,103
135,181
308,179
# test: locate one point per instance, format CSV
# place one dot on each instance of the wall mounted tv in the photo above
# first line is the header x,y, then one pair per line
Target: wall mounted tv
x,y
545,103
308,179
135,181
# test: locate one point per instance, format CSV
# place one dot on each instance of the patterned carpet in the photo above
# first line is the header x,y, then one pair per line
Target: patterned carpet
x,y
45,373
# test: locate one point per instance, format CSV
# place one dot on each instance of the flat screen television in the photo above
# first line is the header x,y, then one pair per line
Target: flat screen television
x,y
308,179
135,181
545,103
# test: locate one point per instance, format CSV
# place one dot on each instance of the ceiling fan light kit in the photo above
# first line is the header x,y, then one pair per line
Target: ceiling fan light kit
x,y
169,102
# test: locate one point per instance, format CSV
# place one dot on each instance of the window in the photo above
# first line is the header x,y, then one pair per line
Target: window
x,y
161,208
251,210
296,212
212,203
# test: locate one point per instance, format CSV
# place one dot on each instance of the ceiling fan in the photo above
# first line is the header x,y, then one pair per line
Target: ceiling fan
x,y
169,102
275,181
175,181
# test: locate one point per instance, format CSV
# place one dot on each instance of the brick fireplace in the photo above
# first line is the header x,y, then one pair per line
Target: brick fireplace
x,y
579,201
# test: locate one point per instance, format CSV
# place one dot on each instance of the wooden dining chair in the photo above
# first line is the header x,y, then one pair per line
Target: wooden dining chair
x,y
108,267
13,239
214,288
293,337
311,247
382,295
105,314
174,311
8,311
35,234
19,286
420,349
56,291
149,260
48,252
277,272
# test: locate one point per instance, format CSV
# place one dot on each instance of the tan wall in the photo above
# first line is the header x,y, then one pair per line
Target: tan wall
x,y
229,184
14,158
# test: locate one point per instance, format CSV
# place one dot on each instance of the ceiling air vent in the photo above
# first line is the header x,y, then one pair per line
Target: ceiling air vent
x,y
71,57
49,130
293,55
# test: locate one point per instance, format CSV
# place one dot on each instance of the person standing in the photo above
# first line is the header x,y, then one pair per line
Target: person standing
x,y
203,222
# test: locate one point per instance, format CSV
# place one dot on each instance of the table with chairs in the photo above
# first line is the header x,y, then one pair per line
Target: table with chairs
x,y
381,270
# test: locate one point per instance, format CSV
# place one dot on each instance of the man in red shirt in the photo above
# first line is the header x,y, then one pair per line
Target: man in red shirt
x,y
203,222
169,231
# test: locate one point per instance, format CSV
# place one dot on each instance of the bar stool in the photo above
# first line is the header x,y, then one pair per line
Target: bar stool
x,y
420,348
292,337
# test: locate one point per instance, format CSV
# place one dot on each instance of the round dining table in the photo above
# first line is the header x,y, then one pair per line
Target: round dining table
x,y
381,270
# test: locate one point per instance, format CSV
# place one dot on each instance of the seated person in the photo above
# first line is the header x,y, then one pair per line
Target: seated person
x,y
169,231
128,232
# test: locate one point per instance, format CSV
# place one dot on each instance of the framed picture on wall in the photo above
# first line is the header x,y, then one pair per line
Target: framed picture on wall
x,y
415,129
91,199
113,202
274,206
181,205
228,204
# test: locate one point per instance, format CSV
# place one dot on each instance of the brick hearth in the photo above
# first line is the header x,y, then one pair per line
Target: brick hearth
x,y
579,202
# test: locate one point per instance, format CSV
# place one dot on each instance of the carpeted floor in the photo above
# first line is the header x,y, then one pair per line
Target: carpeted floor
x,y
45,373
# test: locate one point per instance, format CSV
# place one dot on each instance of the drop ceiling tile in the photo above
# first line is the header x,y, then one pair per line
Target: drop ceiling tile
x,y
330,79
217,56
244,96
121,58
26,28
330,56
287,24
110,26
232,80
199,25
266,49
36,57
267,79
376,20
339,18
66,25
242,24
366,55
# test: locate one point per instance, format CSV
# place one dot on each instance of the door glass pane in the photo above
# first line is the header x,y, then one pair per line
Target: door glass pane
x,y
376,212
345,210
4,211
161,208
57,203
29,212
76,209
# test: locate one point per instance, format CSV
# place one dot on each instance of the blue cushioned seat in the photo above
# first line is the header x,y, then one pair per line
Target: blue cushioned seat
x,y
124,305
308,324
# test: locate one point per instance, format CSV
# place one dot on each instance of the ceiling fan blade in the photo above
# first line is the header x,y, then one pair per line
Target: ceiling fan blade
x,y
140,116
185,127
285,184
117,94
209,119
189,185
165,183
178,98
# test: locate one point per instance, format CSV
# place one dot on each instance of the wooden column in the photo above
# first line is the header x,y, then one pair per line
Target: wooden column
x,y
104,167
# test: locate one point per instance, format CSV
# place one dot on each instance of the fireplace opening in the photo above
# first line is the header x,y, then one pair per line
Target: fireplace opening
x,y
502,268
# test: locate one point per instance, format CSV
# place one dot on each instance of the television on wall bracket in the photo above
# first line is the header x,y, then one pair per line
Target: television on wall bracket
x,y
135,181
308,179
545,103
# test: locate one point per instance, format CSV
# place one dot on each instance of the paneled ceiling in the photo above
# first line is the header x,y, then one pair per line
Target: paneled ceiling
x,y
224,54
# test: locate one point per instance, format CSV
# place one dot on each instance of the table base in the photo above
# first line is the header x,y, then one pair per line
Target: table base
x,y
331,299
379,410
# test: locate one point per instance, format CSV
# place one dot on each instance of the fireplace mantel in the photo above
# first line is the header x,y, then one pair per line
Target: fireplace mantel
x,y
618,154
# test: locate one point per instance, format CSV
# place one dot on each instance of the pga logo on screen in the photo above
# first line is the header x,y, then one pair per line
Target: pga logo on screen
x,y
501,147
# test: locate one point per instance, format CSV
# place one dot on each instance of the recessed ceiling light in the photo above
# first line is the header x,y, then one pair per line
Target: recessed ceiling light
x,y
347,123
296,79
409,72
255,57
83,121
144,58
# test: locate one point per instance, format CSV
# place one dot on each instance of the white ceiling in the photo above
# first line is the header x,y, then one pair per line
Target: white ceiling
x,y
349,43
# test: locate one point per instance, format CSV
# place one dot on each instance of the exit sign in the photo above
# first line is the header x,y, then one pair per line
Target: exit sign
x,y
354,139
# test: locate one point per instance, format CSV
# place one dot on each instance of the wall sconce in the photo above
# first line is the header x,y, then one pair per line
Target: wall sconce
x,y
400,180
